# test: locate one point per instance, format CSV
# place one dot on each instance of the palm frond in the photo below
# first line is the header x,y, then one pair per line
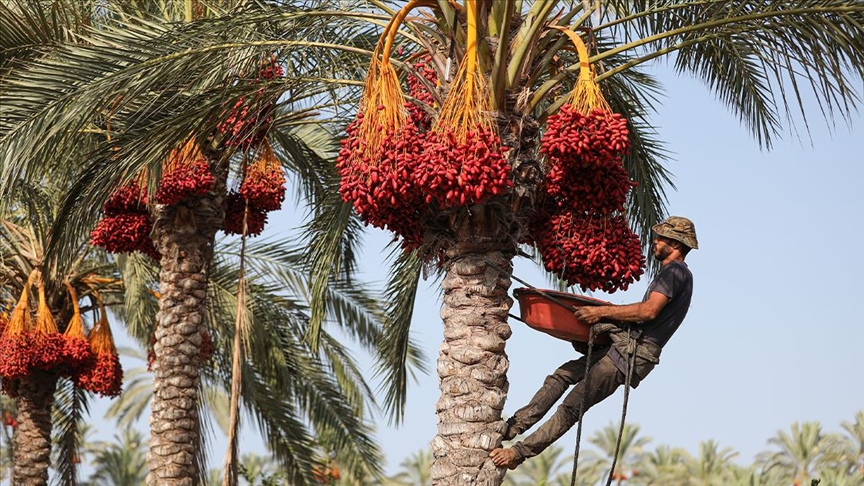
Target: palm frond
x,y
732,70
333,234
29,23
68,95
203,436
217,402
329,392
135,399
747,51
397,352
138,312
71,405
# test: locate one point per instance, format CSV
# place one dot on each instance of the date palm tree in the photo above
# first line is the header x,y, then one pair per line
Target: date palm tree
x,y
855,443
25,227
799,454
121,462
629,452
286,383
663,465
713,465
414,470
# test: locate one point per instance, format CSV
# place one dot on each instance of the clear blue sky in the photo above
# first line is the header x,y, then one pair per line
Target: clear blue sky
x,y
775,333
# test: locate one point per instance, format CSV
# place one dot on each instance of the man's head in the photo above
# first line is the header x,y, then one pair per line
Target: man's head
x,y
676,233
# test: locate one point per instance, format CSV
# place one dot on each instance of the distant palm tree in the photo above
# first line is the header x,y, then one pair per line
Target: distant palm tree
x,y
749,476
800,453
256,468
662,466
630,453
837,477
541,470
122,462
855,441
414,470
712,466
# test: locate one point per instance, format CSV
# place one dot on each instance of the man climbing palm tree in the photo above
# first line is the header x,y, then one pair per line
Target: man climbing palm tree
x,y
660,313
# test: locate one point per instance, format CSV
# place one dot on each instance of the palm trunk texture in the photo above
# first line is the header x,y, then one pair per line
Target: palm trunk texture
x,y
32,456
472,365
184,235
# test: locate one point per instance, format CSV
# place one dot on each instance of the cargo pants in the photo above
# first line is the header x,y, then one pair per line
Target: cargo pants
x,y
604,377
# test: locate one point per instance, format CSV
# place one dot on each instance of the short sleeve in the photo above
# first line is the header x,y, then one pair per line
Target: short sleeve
x,y
669,281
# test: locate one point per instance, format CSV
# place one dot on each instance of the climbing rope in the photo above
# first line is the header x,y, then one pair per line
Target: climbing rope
x,y
585,378
631,363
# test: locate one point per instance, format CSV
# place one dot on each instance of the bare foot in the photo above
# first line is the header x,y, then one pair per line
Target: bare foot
x,y
504,458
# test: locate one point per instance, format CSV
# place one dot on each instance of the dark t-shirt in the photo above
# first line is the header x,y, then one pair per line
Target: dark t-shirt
x,y
675,282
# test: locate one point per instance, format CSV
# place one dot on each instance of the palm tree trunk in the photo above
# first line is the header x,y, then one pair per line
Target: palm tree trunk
x,y
184,235
32,456
472,365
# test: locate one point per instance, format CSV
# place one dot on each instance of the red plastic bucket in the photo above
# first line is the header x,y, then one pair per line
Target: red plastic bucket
x,y
547,315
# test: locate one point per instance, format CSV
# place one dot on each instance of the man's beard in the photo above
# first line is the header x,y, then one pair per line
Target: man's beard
x,y
661,253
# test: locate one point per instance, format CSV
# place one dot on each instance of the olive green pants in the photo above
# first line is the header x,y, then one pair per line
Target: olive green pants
x,y
603,379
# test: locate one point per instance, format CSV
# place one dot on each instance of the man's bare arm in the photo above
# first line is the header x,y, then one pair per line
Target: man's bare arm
x,y
638,312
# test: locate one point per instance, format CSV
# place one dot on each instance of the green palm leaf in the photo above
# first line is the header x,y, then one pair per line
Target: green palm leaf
x,y
71,405
397,352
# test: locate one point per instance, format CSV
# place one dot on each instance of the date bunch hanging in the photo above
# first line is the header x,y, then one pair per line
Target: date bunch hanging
x,y
399,168
419,91
17,353
586,172
465,164
125,225
29,344
101,373
379,157
246,124
126,222
594,252
185,173
76,345
381,185
262,190
580,229
584,143
46,337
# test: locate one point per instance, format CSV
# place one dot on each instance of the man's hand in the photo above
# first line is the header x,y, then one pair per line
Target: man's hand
x,y
589,315
505,457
